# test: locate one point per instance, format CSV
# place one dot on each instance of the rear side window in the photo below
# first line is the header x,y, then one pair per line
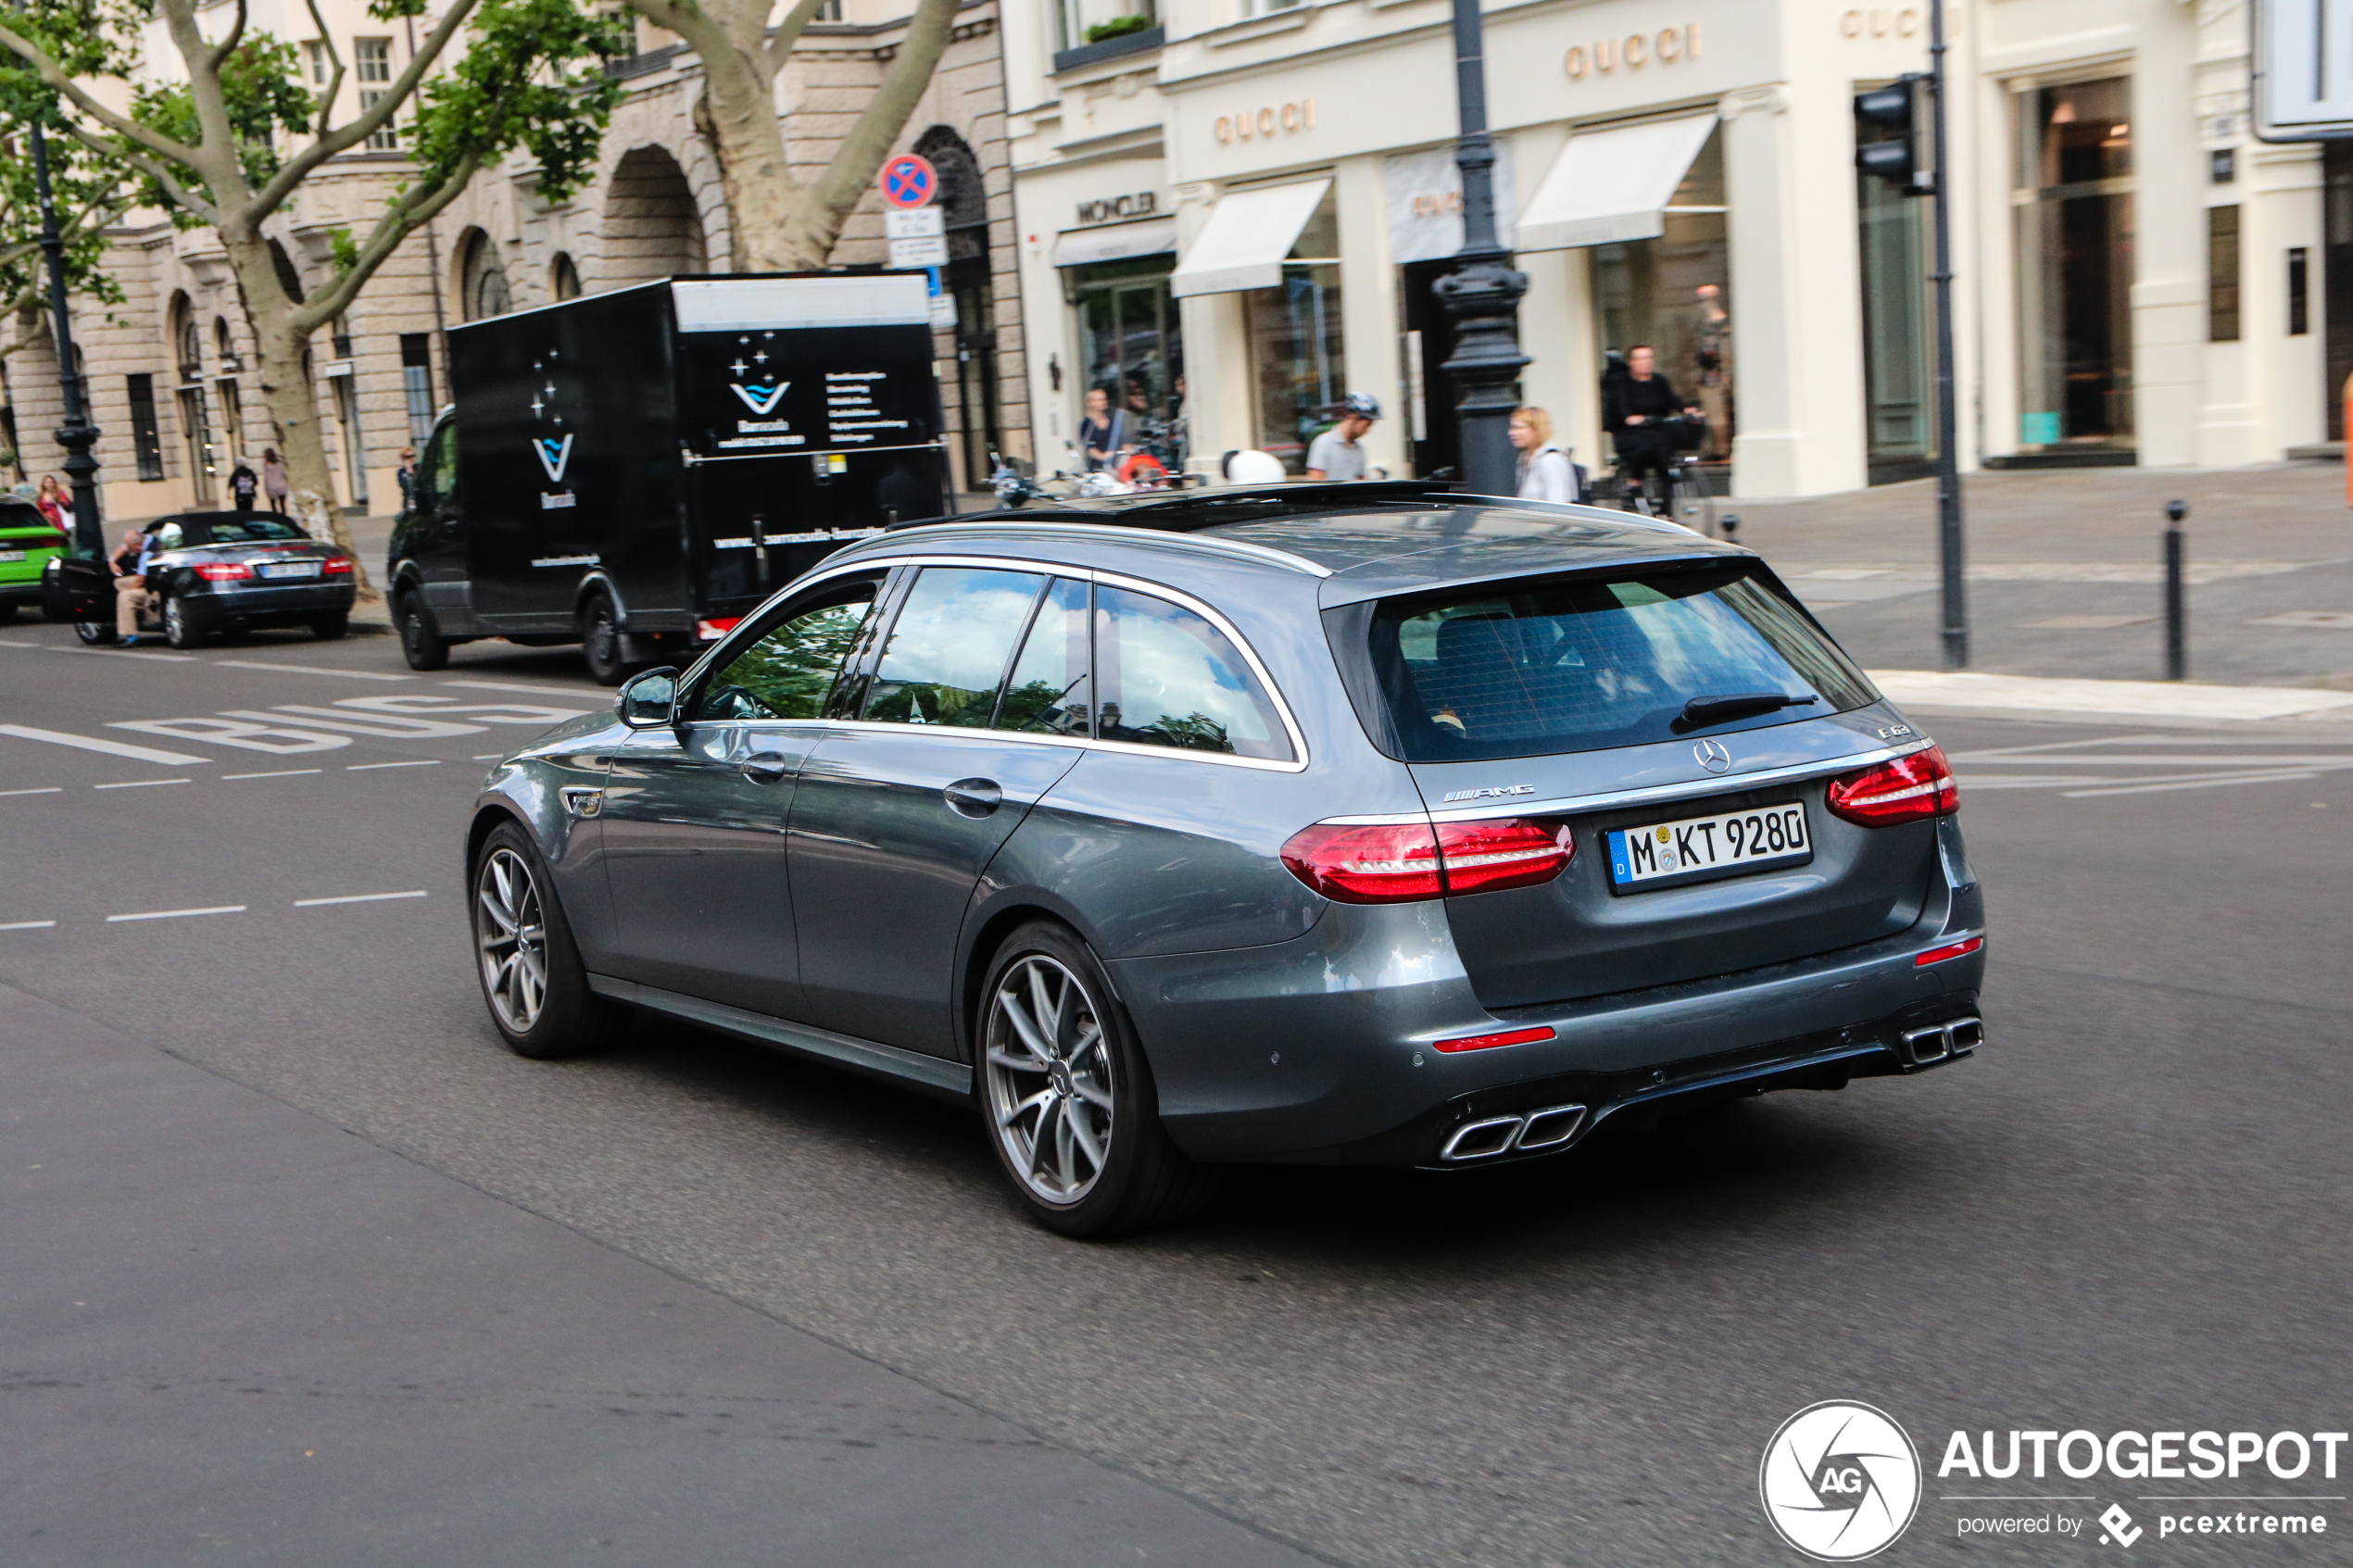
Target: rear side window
x,y
1047,695
1165,676
1523,670
950,647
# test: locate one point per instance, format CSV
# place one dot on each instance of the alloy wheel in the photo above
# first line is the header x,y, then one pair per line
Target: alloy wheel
x,y
1048,1068
511,935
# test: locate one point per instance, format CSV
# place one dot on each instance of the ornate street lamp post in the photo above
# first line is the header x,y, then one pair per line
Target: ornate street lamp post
x,y
1483,295
77,435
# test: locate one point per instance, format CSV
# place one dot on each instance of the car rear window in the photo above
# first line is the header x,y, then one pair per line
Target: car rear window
x,y
1583,664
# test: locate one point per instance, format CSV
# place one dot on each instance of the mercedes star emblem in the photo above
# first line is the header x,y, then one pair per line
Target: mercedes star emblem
x,y
1712,756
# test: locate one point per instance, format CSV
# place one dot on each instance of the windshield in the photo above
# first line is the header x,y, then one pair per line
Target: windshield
x,y
228,530
1530,668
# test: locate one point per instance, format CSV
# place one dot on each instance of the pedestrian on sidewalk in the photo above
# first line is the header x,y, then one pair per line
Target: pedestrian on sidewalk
x,y
275,488
407,475
1546,472
56,503
244,485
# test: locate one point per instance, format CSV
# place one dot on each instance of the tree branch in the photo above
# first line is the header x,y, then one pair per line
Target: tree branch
x,y
414,208
335,80
788,32
228,46
860,156
368,121
52,76
214,155
153,168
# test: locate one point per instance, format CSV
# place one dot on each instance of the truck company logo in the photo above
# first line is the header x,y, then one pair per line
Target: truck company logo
x,y
760,399
553,457
1841,1481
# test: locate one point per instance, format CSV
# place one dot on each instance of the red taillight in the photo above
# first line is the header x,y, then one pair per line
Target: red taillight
x,y
1396,862
224,572
1960,949
338,565
1510,852
712,631
1488,1042
1909,789
1387,863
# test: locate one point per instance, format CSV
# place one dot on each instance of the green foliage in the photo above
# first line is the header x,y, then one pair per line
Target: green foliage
x,y
534,79
342,247
261,83
1119,27
85,187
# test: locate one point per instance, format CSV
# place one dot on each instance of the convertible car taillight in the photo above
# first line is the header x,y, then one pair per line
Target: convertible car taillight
x,y
1909,789
224,572
1399,862
338,566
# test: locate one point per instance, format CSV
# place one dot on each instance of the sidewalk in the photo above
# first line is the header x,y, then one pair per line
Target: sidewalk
x,y
2064,571
240,1333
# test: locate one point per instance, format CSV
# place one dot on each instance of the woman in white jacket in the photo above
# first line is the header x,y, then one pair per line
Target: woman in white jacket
x,y
1545,474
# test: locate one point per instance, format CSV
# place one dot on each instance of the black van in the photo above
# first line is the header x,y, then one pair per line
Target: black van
x,y
635,470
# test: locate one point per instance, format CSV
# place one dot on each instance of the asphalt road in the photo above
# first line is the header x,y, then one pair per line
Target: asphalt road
x,y
2128,1212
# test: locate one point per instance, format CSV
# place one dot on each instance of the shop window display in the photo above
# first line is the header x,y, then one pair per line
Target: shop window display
x,y
1135,351
2074,206
1297,353
1675,293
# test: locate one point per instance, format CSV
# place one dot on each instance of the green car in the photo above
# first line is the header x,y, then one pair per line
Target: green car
x,y
27,541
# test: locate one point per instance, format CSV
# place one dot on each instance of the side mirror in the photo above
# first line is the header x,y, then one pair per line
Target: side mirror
x,y
646,701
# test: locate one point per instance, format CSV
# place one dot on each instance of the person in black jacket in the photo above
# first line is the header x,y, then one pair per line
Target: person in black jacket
x,y
1634,401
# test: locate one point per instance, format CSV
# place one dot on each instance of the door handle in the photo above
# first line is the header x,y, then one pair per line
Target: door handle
x,y
764,767
973,798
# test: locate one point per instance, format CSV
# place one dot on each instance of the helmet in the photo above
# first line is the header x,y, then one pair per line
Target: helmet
x,y
1255,467
1363,405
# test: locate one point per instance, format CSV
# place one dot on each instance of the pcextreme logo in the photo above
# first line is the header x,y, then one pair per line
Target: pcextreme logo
x,y
1839,1481
760,399
553,457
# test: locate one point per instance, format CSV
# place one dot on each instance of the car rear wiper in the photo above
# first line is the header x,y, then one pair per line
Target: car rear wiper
x,y
1701,711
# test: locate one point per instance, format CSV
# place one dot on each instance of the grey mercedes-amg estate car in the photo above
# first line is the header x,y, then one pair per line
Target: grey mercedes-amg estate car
x,y
1320,823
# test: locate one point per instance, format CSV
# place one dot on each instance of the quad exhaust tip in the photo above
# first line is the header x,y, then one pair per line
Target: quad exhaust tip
x,y
1525,1133
1947,1041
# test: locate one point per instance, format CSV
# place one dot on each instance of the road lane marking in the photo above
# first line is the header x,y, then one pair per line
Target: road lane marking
x,y
142,783
28,926
2221,783
488,757
359,898
111,747
53,789
177,914
308,670
281,773
126,653
422,762
12,643
519,686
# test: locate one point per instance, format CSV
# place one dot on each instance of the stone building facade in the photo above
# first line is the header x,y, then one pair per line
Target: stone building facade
x,y
172,378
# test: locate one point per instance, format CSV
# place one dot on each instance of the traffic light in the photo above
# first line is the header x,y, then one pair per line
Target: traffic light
x,y
1898,114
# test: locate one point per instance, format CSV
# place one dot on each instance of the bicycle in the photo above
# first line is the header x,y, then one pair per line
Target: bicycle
x,y
1675,490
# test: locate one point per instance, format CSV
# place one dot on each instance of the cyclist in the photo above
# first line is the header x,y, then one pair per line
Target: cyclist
x,y
1636,407
1335,454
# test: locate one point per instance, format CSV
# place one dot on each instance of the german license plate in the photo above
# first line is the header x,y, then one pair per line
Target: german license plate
x,y
291,568
11,555
1701,848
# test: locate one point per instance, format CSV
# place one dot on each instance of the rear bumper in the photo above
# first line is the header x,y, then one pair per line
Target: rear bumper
x,y
1321,1050
250,607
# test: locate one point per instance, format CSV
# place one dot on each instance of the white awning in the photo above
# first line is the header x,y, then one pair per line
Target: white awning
x,y
1248,235
1612,185
1114,242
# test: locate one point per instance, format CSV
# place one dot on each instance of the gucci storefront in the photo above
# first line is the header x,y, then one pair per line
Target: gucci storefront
x,y
1681,176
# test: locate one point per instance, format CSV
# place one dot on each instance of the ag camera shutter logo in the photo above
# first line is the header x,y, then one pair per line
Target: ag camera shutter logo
x,y
1839,1481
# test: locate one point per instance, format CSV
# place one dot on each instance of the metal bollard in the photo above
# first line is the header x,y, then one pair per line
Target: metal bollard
x,y
2177,651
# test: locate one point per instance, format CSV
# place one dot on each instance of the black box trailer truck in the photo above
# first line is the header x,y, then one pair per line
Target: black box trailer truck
x,y
637,470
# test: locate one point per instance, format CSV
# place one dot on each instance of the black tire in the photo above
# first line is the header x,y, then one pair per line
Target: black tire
x,y
568,1019
422,643
8,612
327,628
96,633
180,629
1140,1179
600,641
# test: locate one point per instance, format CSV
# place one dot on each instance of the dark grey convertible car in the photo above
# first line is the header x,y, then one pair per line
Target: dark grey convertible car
x,y
220,572
1362,824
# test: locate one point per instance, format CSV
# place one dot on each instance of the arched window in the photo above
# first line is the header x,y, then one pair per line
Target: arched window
x,y
225,344
964,199
652,226
483,291
563,278
187,340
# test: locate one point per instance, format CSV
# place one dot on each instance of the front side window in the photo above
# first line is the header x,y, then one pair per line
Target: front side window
x,y
950,647
1165,676
788,672
1543,667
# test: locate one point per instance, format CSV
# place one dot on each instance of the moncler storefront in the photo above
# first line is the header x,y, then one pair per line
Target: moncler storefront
x,y
1680,174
